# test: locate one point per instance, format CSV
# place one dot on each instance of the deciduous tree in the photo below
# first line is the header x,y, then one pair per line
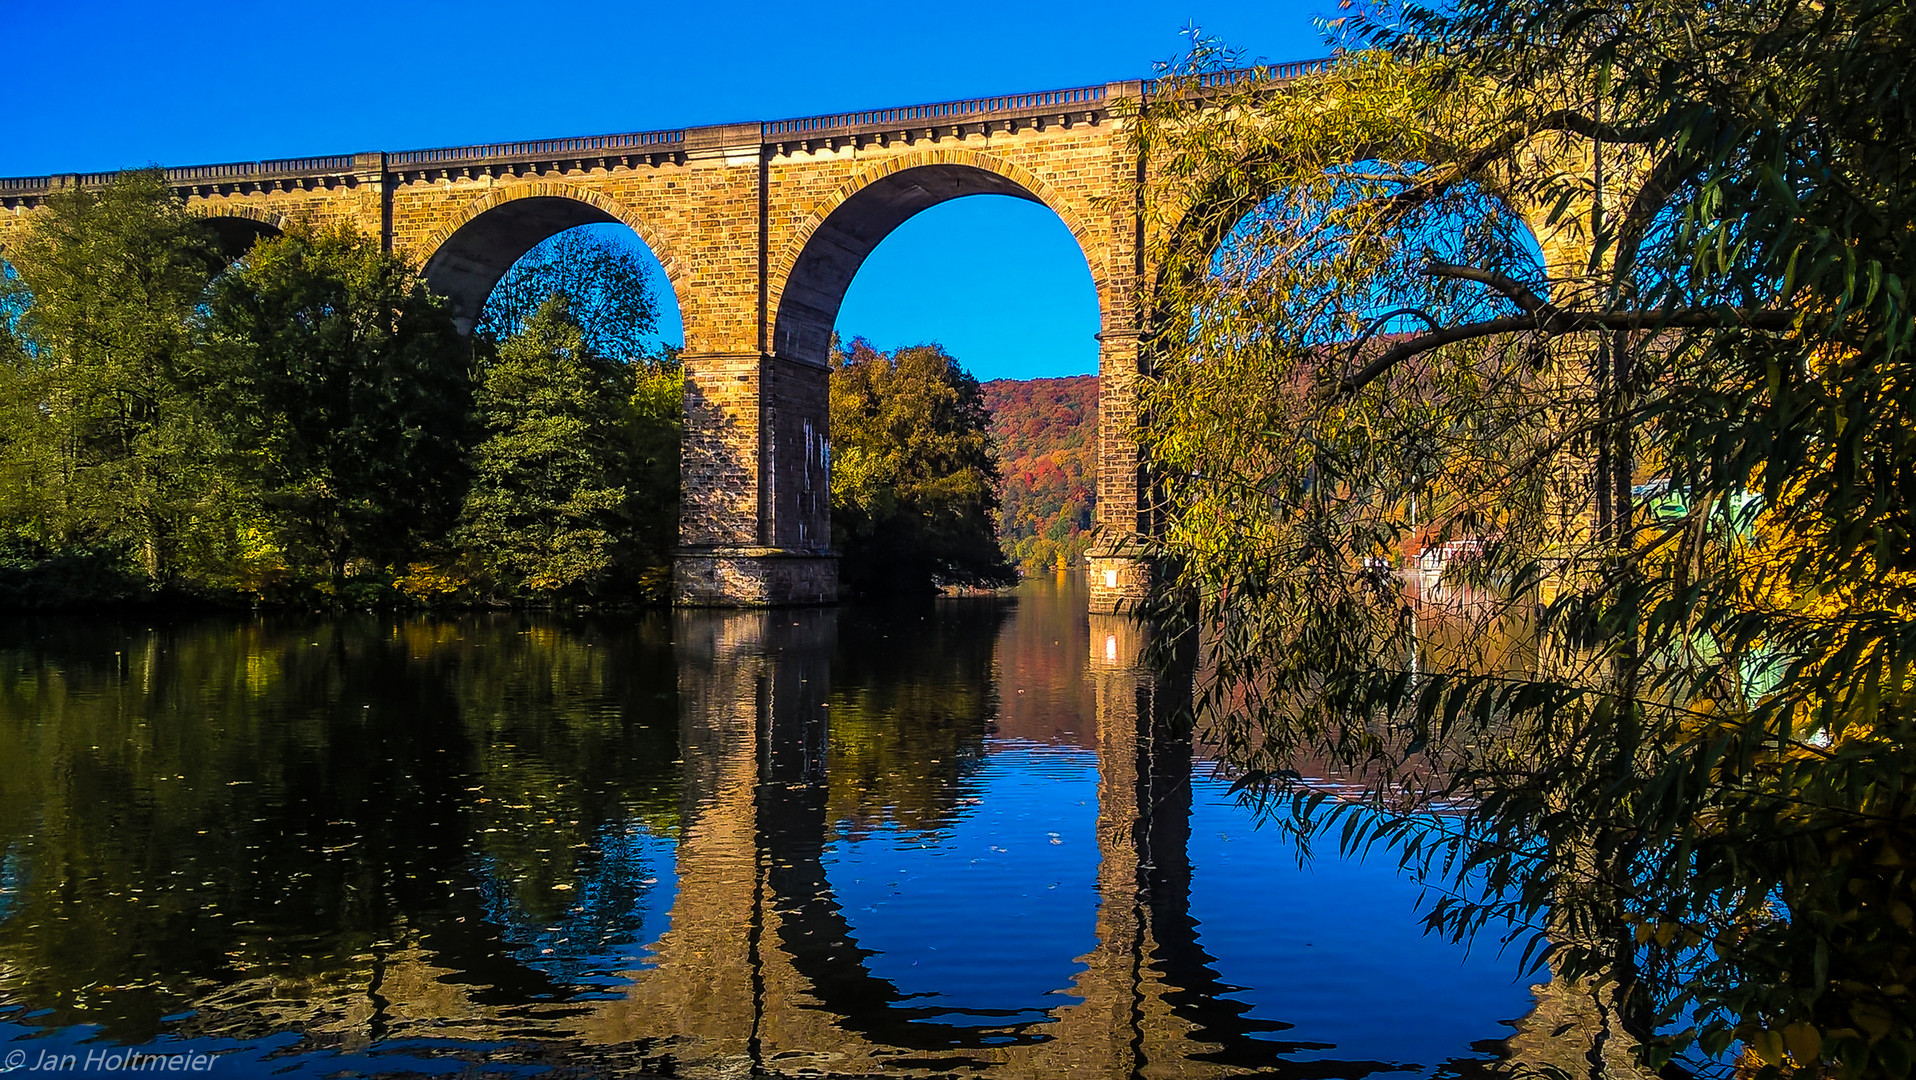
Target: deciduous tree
x,y
345,395
605,285
550,509
914,483
104,450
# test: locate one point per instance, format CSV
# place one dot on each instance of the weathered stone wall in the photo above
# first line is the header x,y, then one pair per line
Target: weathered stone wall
x,y
359,206
741,576
13,223
1120,578
718,459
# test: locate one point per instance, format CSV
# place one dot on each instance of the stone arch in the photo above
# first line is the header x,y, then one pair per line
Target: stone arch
x,y
466,257
238,227
810,275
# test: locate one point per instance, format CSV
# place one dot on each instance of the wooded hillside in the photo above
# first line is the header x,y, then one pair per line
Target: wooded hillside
x,y
1046,432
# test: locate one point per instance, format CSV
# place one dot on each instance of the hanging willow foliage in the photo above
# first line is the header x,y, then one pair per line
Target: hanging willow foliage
x,y
1604,303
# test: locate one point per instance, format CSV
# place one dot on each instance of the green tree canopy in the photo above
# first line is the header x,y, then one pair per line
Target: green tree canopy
x,y
1704,782
549,508
914,482
605,284
346,396
103,448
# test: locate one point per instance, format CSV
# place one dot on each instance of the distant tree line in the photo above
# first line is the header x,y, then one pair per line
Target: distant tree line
x,y
1046,431
306,426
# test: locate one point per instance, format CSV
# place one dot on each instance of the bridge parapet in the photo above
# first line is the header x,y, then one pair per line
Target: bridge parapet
x,y
1006,113
984,115
1232,78
628,149
540,148
1088,104
337,165
25,185
232,177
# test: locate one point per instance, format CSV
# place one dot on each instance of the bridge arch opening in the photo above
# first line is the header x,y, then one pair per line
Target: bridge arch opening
x,y
619,390
234,235
615,285
468,261
989,263
1253,245
987,235
1281,300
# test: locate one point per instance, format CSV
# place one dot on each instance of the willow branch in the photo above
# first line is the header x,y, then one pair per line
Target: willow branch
x,y
1516,291
1553,321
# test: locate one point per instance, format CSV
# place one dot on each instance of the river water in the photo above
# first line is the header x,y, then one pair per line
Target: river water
x,y
956,838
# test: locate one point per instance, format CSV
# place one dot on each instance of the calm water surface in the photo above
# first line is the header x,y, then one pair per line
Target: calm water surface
x,y
951,839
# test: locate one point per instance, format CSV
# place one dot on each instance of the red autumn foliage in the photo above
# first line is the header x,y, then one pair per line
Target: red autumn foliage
x,y
1046,433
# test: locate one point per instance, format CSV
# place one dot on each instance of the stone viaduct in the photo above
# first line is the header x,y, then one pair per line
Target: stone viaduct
x,y
760,228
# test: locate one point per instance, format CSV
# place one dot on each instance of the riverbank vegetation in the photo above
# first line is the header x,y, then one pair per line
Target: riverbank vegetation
x,y
305,426
1651,367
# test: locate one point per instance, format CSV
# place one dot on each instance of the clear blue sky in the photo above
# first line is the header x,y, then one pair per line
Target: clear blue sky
x,y
97,86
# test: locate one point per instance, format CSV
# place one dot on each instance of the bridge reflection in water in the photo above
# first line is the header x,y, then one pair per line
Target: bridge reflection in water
x,y
947,841
763,968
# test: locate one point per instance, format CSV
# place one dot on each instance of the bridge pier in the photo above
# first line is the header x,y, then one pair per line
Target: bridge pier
x,y
1121,573
755,504
748,577
1120,577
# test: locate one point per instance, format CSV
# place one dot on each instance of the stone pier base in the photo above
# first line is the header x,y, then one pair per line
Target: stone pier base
x,y
1120,580
753,577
